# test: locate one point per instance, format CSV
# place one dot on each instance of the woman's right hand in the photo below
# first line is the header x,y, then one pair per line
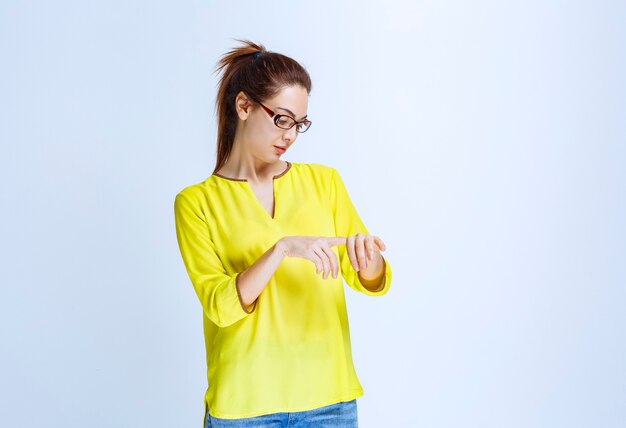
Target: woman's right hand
x,y
314,248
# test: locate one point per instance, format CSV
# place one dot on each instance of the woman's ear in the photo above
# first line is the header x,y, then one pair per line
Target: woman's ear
x,y
242,105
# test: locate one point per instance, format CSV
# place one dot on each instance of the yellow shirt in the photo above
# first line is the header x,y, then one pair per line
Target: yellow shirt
x,y
290,350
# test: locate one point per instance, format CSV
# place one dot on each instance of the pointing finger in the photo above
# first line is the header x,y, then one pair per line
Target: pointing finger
x,y
337,240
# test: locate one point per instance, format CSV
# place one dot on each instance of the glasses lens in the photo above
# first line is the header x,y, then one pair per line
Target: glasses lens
x,y
284,122
302,127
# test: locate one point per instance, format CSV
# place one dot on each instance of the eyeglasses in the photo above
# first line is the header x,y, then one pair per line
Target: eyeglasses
x,y
284,121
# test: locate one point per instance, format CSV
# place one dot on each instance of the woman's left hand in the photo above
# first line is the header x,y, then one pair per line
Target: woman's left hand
x,y
361,248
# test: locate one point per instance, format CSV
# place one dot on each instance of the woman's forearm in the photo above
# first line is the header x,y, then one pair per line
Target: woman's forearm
x,y
253,280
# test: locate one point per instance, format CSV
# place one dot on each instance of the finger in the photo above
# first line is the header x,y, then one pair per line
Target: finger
x,y
319,266
332,259
327,265
380,243
370,247
324,258
359,246
336,240
352,253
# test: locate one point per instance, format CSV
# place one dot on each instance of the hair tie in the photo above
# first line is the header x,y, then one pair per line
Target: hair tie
x,y
256,55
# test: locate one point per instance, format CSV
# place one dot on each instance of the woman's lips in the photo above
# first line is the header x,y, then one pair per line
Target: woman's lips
x,y
280,149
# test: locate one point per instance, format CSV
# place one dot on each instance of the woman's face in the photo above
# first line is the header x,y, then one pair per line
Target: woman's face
x,y
260,135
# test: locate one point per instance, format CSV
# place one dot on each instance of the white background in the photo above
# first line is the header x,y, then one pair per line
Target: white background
x,y
483,141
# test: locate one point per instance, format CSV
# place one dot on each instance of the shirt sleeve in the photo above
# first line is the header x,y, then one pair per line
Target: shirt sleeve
x,y
218,291
348,223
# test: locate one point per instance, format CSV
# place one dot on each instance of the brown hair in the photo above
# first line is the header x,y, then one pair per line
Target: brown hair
x,y
259,78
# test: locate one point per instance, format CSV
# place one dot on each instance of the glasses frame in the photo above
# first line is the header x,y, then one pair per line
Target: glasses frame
x,y
276,117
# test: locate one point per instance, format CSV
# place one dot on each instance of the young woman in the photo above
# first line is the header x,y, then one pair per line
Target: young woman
x,y
264,242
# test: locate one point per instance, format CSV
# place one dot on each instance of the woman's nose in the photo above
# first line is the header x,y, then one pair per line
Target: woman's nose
x,y
290,135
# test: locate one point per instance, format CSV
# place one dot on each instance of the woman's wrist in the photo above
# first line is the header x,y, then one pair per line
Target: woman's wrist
x,y
281,248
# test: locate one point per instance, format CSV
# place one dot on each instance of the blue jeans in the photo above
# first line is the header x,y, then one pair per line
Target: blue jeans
x,y
338,415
